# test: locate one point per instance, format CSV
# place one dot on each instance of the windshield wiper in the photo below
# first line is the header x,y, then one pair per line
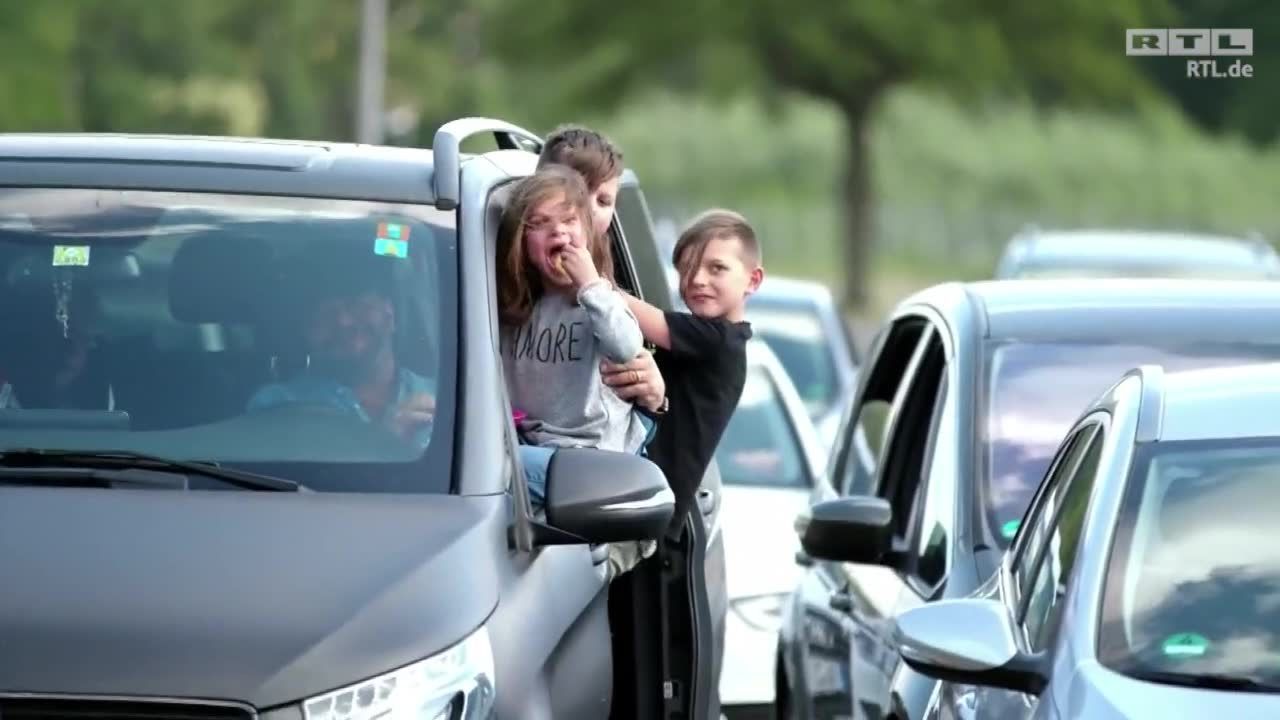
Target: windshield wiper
x,y
24,460
1207,681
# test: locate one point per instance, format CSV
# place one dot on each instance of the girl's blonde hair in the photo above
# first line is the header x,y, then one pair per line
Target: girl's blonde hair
x,y
519,282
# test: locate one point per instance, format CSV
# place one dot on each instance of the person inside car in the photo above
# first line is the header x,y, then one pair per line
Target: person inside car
x,y
348,324
561,316
600,163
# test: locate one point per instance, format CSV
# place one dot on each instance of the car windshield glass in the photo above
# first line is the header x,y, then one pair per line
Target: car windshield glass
x,y
1037,390
307,339
1192,587
796,337
759,447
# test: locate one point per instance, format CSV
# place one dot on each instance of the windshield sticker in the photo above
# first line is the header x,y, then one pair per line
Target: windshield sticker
x,y
71,255
1185,645
1009,529
392,240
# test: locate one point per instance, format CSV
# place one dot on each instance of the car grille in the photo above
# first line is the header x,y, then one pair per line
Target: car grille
x,y
77,709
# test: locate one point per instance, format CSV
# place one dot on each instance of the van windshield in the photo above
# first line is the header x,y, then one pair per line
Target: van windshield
x,y
309,339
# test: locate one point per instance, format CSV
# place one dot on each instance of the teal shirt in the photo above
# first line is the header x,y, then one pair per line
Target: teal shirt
x,y
314,389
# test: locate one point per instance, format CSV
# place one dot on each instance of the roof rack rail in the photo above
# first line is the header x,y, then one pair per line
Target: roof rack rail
x,y
446,151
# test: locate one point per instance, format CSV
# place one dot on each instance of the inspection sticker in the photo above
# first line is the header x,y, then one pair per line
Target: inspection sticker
x,y
1009,529
392,240
1185,645
73,255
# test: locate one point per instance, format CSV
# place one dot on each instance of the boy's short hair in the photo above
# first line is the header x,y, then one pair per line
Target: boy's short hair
x,y
587,151
714,224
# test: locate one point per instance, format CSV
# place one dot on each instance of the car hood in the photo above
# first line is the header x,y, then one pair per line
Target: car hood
x,y
1097,692
760,539
264,598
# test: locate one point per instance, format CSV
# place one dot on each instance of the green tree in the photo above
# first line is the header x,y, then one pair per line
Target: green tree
x,y
847,53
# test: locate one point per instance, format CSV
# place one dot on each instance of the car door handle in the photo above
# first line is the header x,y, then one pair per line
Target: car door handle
x,y
706,501
841,601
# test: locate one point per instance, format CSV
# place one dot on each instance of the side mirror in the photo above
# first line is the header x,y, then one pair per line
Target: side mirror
x,y
853,529
969,641
599,496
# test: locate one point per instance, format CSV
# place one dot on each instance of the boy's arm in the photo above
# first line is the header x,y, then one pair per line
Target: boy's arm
x,y
653,322
611,321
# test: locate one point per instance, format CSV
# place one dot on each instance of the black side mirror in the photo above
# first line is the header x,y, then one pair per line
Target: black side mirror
x,y
598,496
855,529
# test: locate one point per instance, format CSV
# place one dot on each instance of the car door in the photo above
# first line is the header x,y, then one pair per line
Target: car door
x,y
1040,567
550,630
923,515
836,662
688,580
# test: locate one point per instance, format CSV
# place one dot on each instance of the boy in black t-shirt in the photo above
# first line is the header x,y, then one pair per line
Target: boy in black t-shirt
x,y
703,355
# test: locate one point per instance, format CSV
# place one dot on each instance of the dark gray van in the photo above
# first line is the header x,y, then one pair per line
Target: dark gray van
x,y
199,517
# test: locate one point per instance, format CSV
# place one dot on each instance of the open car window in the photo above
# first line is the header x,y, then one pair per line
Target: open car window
x,y
280,335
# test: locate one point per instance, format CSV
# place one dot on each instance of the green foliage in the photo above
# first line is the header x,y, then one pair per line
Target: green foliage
x,y
954,184
742,103
1246,106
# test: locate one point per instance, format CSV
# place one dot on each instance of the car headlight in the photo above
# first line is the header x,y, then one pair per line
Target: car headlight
x,y
456,684
762,612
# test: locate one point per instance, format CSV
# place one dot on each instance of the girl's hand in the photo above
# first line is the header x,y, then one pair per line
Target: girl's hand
x,y
578,265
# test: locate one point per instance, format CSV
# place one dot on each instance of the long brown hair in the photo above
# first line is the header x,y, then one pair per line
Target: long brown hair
x,y
519,282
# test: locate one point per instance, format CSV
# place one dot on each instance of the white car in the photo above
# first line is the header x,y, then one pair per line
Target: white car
x,y
770,457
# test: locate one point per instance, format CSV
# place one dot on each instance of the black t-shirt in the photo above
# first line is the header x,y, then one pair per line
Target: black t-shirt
x,y
705,370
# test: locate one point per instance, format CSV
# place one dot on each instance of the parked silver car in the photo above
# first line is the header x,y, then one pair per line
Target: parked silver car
x,y
1036,253
1142,582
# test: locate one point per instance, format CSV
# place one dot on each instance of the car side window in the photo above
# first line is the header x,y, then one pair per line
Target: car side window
x,y
912,426
632,233
1035,524
937,495
862,443
1056,555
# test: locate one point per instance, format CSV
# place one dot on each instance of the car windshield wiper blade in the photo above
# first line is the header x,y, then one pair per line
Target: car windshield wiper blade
x,y
1208,681
28,458
79,477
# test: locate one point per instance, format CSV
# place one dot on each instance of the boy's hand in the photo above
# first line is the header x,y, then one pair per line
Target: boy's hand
x,y
578,265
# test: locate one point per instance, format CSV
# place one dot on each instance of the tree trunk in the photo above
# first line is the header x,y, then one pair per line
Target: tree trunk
x,y
857,206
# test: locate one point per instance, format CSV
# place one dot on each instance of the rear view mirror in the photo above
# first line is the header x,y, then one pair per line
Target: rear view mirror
x,y
969,641
853,529
603,497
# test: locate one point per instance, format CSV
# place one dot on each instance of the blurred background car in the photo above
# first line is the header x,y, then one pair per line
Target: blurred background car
x,y
770,458
801,323
1142,585
1036,253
